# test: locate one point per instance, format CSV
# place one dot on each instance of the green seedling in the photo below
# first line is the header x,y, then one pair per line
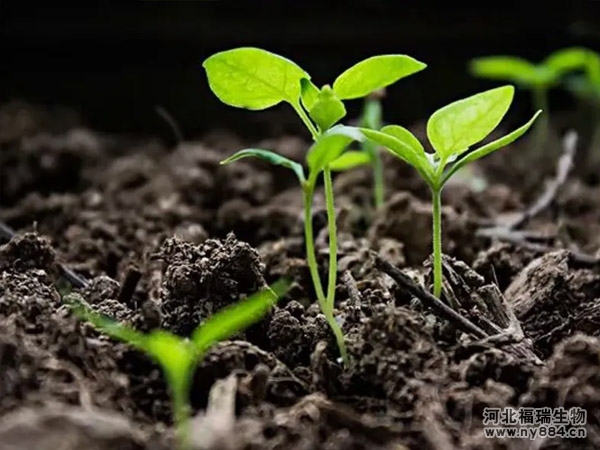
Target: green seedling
x,y
177,356
372,117
586,87
256,79
538,78
452,131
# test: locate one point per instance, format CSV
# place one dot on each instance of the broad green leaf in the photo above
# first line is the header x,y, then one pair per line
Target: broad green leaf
x,y
253,78
405,136
104,323
349,160
457,126
327,109
489,148
566,60
269,156
374,73
511,68
329,146
403,149
237,317
308,94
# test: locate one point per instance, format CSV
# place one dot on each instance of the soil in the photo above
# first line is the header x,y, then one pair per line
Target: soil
x,y
166,236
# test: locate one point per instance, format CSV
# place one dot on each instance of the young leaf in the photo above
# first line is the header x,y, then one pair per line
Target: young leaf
x,y
308,93
489,148
403,147
405,136
327,109
567,60
509,68
236,317
455,127
349,160
330,146
374,73
253,78
269,156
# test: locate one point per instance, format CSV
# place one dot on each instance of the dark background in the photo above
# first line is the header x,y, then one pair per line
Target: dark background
x,y
116,62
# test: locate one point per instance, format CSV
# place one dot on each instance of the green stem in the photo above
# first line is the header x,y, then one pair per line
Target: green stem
x,y
540,101
371,118
180,390
437,241
311,258
378,181
313,130
332,280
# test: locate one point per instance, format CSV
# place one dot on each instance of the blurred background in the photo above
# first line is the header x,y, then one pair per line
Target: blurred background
x,y
115,63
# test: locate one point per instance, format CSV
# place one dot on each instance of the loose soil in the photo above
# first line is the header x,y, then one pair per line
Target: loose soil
x,y
166,237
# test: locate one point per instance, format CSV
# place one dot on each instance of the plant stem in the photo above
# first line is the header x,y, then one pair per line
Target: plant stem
x,y
180,391
311,258
371,118
437,241
300,111
332,280
540,101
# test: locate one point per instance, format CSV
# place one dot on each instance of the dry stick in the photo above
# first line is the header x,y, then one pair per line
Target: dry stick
x,y
162,112
76,280
563,168
132,278
428,299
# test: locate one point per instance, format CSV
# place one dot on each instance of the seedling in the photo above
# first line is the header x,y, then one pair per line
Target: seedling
x,y
452,131
255,79
177,356
538,78
586,87
372,118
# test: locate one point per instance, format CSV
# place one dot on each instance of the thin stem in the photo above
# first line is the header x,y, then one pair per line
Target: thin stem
x,y
332,231
313,130
180,390
311,258
371,118
332,280
437,241
540,101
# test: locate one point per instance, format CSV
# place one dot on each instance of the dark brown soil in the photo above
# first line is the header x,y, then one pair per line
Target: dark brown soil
x,y
167,236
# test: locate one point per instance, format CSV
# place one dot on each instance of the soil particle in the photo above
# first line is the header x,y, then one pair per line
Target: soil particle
x,y
27,251
548,297
68,428
201,279
393,347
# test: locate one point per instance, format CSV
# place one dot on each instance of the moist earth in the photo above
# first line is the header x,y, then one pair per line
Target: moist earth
x,y
165,237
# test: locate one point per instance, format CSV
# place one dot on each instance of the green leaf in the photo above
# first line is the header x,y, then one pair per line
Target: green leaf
x,y
593,69
403,147
237,317
374,73
327,109
511,68
309,93
489,148
568,59
253,78
329,146
405,136
349,160
269,156
104,323
455,127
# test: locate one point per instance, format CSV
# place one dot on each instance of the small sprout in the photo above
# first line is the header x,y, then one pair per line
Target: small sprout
x,y
452,131
255,79
178,357
538,78
327,151
372,117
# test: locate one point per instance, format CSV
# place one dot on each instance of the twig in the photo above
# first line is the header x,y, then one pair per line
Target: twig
x,y
76,280
563,168
428,299
353,292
